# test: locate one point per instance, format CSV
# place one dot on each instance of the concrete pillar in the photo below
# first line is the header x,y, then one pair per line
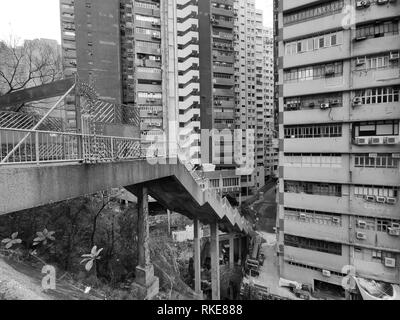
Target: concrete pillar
x,y
231,251
197,258
169,221
145,279
214,252
240,251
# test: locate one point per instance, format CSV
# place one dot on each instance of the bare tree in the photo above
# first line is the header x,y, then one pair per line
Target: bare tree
x,y
30,64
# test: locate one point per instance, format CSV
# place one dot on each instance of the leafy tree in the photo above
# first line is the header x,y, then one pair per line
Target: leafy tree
x,y
43,237
91,258
9,242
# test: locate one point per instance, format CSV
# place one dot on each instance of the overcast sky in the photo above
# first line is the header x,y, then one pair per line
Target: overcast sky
x,y
30,19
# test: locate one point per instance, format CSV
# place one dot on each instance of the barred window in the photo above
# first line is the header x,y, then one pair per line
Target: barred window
x,y
376,128
381,191
314,72
317,160
314,43
313,12
313,244
377,30
313,216
315,188
313,101
313,131
380,160
379,95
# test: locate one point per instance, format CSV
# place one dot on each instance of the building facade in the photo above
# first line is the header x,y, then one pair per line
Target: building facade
x,y
339,114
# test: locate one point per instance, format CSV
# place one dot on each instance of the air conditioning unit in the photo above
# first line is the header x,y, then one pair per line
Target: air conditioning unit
x,y
394,231
390,200
357,101
336,220
326,273
302,216
324,106
369,198
380,199
394,56
360,61
361,224
392,140
380,2
361,141
377,140
329,72
390,262
361,236
363,4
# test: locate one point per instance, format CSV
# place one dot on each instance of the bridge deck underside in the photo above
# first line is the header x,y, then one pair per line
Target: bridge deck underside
x,y
24,187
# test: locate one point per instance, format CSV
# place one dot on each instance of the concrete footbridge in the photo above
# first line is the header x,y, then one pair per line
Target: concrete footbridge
x,y
42,163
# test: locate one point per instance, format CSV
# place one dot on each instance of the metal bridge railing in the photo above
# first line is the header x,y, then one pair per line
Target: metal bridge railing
x,y
19,146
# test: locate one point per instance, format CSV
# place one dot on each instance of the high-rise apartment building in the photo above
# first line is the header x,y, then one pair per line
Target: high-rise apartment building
x,y
339,116
254,85
189,78
175,61
123,48
217,95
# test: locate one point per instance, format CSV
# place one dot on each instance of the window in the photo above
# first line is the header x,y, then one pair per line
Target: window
x,y
376,128
314,72
379,95
369,190
380,160
312,216
377,30
313,101
316,160
315,188
313,131
313,244
313,12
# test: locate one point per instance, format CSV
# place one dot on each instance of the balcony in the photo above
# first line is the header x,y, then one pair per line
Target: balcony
x,y
149,76
149,88
224,81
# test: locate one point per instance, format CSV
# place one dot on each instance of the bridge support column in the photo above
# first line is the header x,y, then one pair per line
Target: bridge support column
x,y
197,257
214,248
231,251
239,251
148,284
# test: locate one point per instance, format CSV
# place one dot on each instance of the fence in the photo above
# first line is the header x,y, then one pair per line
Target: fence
x,y
30,146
